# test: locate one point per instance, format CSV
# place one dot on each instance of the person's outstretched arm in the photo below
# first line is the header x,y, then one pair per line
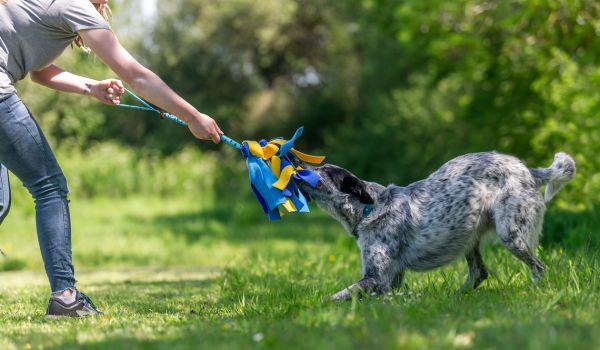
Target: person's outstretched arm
x,y
106,46
108,91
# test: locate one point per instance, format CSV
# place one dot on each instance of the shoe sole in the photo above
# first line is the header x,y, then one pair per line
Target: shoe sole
x,y
61,317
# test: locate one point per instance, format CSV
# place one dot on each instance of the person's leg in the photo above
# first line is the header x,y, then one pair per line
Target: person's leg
x,y
4,194
26,153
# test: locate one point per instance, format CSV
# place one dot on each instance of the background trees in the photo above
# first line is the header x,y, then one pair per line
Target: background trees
x,y
389,89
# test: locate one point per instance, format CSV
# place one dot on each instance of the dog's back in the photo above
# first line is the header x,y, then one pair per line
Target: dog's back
x,y
454,206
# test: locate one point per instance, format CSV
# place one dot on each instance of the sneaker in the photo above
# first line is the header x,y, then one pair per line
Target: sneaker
x,y
82,306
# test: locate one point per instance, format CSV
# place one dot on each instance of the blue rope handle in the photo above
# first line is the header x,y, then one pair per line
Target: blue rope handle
x,y
231,142
148,107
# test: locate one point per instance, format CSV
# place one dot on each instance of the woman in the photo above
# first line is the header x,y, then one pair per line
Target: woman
x,y
33,34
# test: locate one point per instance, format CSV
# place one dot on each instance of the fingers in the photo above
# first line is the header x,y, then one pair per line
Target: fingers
x,y
208,136
217,132
112,96
113,90
215,136
117,85
219,129
205,128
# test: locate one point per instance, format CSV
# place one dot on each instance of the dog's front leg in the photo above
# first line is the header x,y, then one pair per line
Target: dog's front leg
x,y
364,286
379,270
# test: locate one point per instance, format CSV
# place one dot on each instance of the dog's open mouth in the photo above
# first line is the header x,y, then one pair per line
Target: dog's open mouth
x,y
306,186
311,191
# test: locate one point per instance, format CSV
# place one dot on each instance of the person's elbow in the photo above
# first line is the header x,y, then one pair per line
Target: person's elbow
x,y
36,77
137,82
137,77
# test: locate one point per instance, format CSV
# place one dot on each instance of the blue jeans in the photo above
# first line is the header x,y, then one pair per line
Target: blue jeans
x,y
26,153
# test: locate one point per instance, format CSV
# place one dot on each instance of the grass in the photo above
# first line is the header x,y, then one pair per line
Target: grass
x,y
178,273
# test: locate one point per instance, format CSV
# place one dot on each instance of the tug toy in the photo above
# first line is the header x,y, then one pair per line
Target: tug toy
x,y
271,168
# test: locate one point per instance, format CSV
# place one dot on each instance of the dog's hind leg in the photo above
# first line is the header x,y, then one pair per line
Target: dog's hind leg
x,y
477,270
519,249
397,281
519,224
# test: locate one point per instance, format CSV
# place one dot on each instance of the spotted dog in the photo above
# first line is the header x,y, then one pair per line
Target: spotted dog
x,y
433,221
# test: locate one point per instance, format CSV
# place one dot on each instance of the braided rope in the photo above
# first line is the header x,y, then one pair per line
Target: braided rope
x,y
148,107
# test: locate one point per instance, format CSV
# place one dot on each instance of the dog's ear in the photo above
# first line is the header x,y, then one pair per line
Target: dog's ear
x,y
357,188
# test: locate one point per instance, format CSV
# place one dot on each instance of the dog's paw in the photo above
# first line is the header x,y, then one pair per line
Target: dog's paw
x,y
466,288
342,295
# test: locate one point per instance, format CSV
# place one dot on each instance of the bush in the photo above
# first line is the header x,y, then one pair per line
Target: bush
x,y
112,170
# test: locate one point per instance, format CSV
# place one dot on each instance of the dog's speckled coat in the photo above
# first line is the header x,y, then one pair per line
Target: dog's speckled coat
x,y
433,221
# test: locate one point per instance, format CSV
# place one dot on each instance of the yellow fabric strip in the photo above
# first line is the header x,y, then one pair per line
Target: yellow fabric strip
x,y
276,166
269,151
285,177
255,149
289,206
308,158
263,152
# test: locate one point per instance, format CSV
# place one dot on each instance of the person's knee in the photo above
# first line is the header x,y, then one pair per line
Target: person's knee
x,y
50,187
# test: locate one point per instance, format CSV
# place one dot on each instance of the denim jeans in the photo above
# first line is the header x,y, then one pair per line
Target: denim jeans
x,y
26,153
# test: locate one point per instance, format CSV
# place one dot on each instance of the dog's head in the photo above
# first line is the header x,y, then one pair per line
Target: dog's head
x,y
341,194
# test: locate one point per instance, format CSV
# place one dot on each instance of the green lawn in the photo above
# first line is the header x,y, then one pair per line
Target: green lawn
x,y
177,273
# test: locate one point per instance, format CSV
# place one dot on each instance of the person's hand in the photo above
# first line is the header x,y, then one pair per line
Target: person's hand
x,y
204,127
108,91
3,2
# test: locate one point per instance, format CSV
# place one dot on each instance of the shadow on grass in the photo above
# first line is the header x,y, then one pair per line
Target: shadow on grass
x,y
238,226
243,222
155,297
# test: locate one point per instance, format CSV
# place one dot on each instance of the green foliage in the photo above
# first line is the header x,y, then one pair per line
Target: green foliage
x,y
109,170
388,89
519,77
247,63
115,171
10,264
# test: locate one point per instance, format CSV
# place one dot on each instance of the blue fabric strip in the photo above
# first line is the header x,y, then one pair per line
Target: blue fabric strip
x,y
286,147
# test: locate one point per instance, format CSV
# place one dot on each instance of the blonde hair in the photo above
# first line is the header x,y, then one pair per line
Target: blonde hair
x,y
106,13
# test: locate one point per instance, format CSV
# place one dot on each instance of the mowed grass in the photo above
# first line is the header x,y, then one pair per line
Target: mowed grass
x,y
179,273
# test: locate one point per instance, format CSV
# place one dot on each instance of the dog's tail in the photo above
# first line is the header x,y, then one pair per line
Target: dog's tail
x,y
556,176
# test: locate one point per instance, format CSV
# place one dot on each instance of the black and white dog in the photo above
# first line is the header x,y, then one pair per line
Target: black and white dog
x,y
433,221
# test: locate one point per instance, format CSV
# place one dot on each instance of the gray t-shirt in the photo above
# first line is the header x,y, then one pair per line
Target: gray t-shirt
x,y
33,33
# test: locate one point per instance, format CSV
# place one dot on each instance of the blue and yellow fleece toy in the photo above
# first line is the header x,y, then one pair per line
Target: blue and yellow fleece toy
x,y
271,168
